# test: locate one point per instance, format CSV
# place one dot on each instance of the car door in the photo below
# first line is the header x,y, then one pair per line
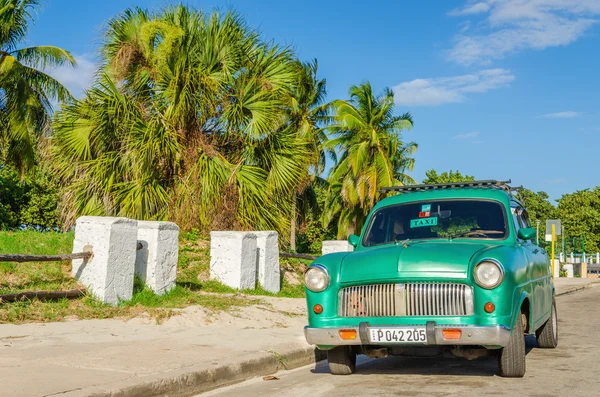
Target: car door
x,y
533,288
542,276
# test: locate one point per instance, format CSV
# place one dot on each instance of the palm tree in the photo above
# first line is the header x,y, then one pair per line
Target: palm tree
x,y
26,93
308,117
373,155
188,121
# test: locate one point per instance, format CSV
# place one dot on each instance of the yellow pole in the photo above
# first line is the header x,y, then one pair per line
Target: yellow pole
x,y
553,239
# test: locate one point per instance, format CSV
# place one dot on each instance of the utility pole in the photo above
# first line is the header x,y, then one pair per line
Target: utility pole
x,y
563,239
553,239
537,232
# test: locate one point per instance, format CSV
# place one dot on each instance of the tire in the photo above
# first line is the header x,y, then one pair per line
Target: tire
x,y
511,360
341,360
547,334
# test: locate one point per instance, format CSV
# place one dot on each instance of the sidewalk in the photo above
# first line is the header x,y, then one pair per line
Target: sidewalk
x,y
190,353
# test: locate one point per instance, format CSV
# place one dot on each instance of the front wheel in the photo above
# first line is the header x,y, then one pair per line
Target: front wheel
x,y
341,360
547,335
512,357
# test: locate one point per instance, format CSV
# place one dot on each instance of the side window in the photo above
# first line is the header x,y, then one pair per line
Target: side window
x,y
525,219
516,217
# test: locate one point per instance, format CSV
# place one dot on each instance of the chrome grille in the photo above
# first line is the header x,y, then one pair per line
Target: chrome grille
x,y
410,299
439,299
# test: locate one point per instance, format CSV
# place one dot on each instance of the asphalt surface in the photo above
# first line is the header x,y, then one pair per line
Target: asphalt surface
x,y
572,369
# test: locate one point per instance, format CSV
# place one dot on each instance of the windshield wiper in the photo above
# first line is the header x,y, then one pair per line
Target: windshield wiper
x,y
403,242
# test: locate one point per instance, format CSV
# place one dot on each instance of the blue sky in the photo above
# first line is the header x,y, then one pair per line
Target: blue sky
x,y
497,88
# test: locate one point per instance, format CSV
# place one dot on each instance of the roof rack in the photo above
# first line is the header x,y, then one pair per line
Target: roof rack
x,y
470,184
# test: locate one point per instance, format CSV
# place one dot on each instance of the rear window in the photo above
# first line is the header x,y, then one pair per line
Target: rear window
x,y
481,219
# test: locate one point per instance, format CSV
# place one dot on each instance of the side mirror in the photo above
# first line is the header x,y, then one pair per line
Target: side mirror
x,y
526,233
353,239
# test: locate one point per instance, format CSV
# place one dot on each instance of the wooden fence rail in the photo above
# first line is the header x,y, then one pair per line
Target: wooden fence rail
x,y
73,293
20,258
300,256
43,258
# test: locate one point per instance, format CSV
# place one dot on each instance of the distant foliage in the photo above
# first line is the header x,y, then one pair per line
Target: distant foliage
x,y
446,177
539,208
580,214
29,202
312,232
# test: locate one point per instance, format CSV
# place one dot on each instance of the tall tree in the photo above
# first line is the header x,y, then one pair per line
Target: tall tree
x,y
372,155
26,92
187,122
308,117
539,209
432,177
580,214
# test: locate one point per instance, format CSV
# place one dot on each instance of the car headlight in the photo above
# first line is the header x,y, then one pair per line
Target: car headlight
x,y
489,273
316,278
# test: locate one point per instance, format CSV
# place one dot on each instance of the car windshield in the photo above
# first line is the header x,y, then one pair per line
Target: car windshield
x,y
436,219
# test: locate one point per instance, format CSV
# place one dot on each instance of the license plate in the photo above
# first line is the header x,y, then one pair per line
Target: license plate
x,y
398,335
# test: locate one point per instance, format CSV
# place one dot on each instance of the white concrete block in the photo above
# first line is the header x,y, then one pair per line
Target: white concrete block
x,y
269,276
156,257
556,268
569,269
108,274
234,259
331,246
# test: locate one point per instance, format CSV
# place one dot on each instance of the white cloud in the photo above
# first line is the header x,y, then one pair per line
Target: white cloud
x,y
476,8
469,136
561,115
510,26
78,78
437,91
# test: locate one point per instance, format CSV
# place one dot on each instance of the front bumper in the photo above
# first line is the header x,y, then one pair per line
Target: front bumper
x,y
471,335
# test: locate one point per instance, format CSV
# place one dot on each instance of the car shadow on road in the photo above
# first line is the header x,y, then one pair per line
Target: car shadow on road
x,y
395,365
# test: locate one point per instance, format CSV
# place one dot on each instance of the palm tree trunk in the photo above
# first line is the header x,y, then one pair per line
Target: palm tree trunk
x,y
293,224
351,228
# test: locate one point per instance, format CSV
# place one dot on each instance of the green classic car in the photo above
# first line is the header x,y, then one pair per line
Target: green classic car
x,y
438,270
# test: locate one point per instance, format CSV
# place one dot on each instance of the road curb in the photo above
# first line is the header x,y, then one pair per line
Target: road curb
x,y
578,288
188,381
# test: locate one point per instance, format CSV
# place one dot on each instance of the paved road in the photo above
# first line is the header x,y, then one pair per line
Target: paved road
x,y
572,369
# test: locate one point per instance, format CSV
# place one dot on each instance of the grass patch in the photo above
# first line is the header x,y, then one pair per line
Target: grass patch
x,y
193,284
35,276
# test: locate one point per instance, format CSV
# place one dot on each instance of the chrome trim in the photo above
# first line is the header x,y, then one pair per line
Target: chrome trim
x,y
406,299
497,263
472,335
330,336
320,267
400,300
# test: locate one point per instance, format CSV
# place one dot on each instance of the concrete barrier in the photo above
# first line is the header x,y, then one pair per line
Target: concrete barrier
x,y
556,268
108,274
157,254
331,246
568,267
269,276
234,258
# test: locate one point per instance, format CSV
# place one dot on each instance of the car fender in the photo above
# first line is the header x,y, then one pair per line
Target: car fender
x,y
520,295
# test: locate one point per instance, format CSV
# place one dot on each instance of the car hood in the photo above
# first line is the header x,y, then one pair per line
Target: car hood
x,y
448,259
